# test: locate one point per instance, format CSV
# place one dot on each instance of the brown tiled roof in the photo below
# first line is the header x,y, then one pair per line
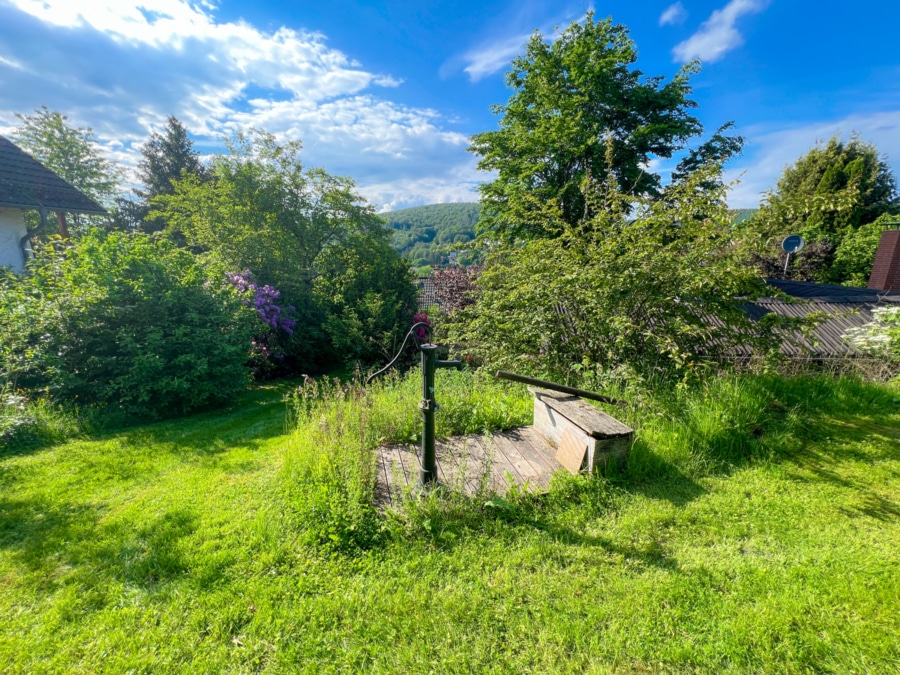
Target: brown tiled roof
x,y
25,183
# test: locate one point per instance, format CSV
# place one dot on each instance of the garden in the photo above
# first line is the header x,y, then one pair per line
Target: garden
x,y
188,433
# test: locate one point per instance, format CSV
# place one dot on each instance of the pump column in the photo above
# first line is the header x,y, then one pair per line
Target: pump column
x,y
428,471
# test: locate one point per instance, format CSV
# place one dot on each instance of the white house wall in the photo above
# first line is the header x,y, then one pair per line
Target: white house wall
x,y
12,229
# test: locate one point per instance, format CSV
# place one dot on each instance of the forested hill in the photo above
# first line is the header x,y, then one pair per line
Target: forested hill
x,y
425,233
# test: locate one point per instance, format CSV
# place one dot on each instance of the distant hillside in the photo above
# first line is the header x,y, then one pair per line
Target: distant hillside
x,y
424,234
740,215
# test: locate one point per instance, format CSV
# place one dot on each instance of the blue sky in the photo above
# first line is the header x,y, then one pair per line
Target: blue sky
x,y
389,92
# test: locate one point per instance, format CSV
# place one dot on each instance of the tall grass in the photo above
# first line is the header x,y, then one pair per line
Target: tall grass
x,y
28,423
330,463
682,433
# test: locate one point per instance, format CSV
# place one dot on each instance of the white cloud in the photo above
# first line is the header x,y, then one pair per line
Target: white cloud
x,y
769,152
122,67
673,15
494,56
460,184
717,35
509,34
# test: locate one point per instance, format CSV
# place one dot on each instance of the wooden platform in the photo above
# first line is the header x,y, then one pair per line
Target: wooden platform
x,y
473,465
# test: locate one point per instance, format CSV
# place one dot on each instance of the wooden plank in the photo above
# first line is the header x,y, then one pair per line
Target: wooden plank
x,y
455,458
479,464
501,467
572,452
509,444
593,421
392,475
536,450
409,463
382,481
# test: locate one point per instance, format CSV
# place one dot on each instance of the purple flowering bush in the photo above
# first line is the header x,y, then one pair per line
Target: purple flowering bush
x,y
275,323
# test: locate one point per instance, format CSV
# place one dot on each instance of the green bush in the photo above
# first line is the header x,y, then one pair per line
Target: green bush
x,y
309,235
650,293
123,323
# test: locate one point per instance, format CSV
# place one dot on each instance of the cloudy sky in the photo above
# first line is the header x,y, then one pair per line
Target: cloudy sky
x,y
389,92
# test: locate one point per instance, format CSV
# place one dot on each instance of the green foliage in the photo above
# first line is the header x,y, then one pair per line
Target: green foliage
x,y
28,423
124,323
880,337
578,111
827,196
367,295
71,153
164,157
619,291
304,232
855,254
424,234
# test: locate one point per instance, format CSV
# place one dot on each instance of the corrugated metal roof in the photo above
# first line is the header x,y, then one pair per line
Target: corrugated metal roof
x,y
845,308
829,292
25,183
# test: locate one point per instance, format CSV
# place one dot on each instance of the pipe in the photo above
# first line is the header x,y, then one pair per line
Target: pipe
x,y
513,377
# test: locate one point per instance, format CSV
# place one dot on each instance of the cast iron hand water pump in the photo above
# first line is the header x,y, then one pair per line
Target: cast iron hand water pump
x,y
428,404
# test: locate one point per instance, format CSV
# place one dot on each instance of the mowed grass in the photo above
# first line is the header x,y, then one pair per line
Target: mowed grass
x,y
757,529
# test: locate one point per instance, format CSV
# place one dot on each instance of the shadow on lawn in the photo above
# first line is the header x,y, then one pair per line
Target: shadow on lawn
x,y
38,534
658,478
653,554
65,541
257,416
857,439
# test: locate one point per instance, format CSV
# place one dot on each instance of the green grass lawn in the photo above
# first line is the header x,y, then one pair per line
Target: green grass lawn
x,y
180,547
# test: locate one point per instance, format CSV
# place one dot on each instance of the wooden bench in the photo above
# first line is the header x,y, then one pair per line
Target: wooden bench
x,y
586,438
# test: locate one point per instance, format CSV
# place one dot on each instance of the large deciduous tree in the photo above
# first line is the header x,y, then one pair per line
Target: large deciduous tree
x,y
579,109
646,294
73,153
828,196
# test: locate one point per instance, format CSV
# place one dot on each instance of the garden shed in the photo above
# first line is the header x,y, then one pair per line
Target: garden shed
x,y
844,308
27,185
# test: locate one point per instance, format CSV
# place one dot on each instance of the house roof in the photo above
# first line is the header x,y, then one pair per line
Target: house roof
x,y
25,183
831,292
845,308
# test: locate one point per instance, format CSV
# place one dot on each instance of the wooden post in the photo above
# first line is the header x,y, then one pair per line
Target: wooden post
x,y
63,227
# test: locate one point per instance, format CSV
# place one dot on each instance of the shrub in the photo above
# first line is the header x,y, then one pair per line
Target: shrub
x,y
124,323
881,336
26,423
655,291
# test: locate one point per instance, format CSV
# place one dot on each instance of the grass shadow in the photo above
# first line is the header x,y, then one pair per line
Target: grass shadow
x,y
61,540
35,531
255,417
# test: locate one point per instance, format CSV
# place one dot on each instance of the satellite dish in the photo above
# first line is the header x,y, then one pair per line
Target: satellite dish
x,y
792,243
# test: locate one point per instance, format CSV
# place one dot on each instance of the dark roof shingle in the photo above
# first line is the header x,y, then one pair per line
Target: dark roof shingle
x,y
25,183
